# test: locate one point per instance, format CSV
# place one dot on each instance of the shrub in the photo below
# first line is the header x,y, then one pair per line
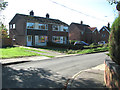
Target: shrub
x,y
66,46
114,41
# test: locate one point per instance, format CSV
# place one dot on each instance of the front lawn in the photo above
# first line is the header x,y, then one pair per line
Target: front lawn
x,y
14,52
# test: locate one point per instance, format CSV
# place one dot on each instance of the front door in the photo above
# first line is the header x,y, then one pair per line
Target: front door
x,y
29,40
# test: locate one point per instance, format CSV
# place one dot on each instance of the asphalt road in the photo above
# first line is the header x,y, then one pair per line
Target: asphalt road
x,y
67,66
53,72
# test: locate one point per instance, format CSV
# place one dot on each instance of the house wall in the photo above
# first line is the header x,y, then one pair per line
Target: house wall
x,y
19,32
74,33
106,33
95,36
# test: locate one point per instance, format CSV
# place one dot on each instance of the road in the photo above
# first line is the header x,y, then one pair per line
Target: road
x,y
56,70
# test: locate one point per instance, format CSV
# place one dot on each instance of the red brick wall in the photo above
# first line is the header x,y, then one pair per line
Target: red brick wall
x,y
106,33
112,74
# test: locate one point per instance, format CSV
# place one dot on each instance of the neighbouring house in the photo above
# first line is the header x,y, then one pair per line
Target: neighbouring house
x,y
80,32
30,30
104,33
95,34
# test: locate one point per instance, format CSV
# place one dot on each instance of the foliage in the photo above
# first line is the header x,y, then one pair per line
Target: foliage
x,y
72,51
3,31
113,1
3,5
67,46
114,41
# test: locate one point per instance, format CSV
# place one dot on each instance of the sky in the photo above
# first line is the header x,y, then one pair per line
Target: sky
x,y
95,13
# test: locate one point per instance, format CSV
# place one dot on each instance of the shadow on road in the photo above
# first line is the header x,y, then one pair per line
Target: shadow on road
x,y
31,78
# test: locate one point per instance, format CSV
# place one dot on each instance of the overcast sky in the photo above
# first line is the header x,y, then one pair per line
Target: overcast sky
x,y
96,13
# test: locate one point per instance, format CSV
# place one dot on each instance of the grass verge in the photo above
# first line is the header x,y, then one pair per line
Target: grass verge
x,y
15,52
84,51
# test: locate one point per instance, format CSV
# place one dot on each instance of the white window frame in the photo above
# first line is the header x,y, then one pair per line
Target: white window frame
x,y
64,29
11,26
63,38
14,26
40,28
57,26
29,24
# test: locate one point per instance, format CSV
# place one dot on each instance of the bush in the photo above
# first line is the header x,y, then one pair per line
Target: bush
x,y
114,41
66,46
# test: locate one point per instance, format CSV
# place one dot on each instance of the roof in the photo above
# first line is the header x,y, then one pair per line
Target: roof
x,y
82,27
92,28
40,19
105,28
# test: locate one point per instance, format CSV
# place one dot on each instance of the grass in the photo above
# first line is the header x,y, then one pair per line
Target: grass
x,y
15,52
19,52
84,51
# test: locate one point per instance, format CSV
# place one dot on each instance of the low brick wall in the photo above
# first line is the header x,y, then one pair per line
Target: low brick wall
x,y
111,74
7,42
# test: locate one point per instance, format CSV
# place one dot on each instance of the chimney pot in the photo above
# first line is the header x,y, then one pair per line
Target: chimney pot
x,y
47,15
31,13
81,22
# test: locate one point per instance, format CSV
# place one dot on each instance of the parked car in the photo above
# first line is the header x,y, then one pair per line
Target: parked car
x,y
81,43
101,42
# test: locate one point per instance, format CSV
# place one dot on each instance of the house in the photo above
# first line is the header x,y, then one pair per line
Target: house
x,y
104,33
95,34
80,32
30,30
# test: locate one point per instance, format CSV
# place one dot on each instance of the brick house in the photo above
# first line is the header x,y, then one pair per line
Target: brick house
x,y
80,32
104,33
30,30
95,34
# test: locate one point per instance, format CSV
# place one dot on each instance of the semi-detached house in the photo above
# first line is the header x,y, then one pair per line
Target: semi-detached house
x,y
30,30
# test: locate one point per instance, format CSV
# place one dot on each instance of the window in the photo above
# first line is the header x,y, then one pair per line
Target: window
x,y
29,38
82,33
42,39
43,26
65,29
13,26
30,25
56,39
64,40
55,28
103,29
10,26
59,39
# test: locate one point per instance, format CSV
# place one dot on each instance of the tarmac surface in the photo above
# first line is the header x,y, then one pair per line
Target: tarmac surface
x,y
90,78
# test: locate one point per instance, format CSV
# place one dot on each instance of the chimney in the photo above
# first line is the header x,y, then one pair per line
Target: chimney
x,y
108,25
81,22
31,13
47,15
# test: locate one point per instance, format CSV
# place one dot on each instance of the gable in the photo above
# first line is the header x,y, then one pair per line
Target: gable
x,y
104,28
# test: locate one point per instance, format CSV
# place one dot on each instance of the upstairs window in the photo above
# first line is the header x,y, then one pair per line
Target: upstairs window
x,y
65,29
12,26
43,26
55,28
30,25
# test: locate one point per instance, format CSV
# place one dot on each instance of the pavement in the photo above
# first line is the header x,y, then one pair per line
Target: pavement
x,y
90,78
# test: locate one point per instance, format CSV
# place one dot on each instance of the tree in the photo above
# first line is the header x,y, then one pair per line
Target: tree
x,y
117,2
3,5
